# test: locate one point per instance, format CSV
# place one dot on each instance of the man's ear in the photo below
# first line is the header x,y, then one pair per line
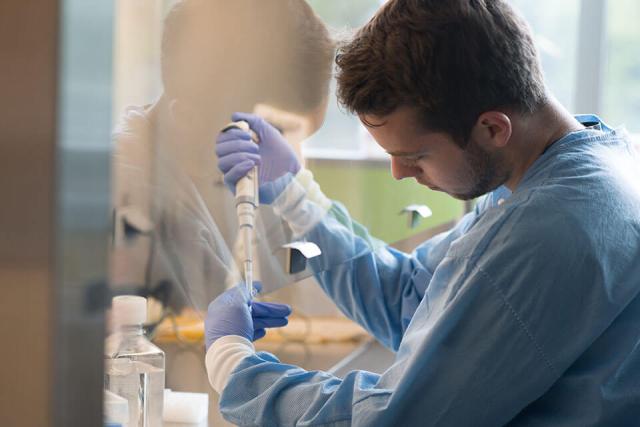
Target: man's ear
x,y
492,130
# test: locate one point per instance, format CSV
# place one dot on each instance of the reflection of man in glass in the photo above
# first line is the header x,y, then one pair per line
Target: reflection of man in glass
x,y
173,218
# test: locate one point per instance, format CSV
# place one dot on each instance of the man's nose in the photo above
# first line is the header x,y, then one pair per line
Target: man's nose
x,y
399,170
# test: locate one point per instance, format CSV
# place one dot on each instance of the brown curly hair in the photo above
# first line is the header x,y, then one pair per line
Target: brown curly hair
x,y
450,60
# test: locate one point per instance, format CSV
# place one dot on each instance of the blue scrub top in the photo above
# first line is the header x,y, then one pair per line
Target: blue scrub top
x,y
526,313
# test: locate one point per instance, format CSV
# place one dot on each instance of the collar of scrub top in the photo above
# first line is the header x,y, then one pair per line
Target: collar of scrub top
x,y
595,128
592,121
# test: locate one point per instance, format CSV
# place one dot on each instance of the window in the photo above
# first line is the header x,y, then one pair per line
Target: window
x,y
621,103
555,30
343,136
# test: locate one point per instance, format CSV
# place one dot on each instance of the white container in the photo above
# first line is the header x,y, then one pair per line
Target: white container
x,y
182,409
134,367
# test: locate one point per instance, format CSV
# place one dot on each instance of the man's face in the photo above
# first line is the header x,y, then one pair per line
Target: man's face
x,y
434,159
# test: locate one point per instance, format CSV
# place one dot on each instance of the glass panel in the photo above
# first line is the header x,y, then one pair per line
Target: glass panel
x,y
176,230
181,70
622,72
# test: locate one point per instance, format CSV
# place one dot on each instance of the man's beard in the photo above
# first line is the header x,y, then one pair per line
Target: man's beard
x,y
487,172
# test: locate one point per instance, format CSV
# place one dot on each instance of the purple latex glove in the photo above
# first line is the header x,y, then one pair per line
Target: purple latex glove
x,y
229,314
237,154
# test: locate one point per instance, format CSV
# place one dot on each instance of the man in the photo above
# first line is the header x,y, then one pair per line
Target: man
x,y
528,311
168,195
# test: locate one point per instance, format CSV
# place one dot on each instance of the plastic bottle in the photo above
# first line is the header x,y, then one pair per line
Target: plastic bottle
x,y
134,367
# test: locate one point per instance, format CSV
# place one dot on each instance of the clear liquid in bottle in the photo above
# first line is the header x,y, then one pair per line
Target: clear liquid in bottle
x,y
134,370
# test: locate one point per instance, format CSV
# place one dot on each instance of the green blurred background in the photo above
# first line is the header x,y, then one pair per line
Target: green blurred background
x,y
375,199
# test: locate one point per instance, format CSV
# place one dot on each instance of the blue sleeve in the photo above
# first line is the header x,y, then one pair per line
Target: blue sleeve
x,y
263,392
446,372
373,284
450,374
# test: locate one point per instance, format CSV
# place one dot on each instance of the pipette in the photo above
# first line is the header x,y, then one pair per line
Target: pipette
x,y
246,204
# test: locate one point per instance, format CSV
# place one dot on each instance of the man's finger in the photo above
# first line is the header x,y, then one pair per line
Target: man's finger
x,y
259,333
270,309
270,322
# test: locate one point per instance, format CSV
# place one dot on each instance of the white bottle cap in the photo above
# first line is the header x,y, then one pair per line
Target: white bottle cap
x,y
129,310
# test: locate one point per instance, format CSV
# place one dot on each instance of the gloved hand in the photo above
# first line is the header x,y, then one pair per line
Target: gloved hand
x,y
237,154
229,314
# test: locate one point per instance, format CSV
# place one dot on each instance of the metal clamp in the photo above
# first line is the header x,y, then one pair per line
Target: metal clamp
x,y
416,213
297,255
